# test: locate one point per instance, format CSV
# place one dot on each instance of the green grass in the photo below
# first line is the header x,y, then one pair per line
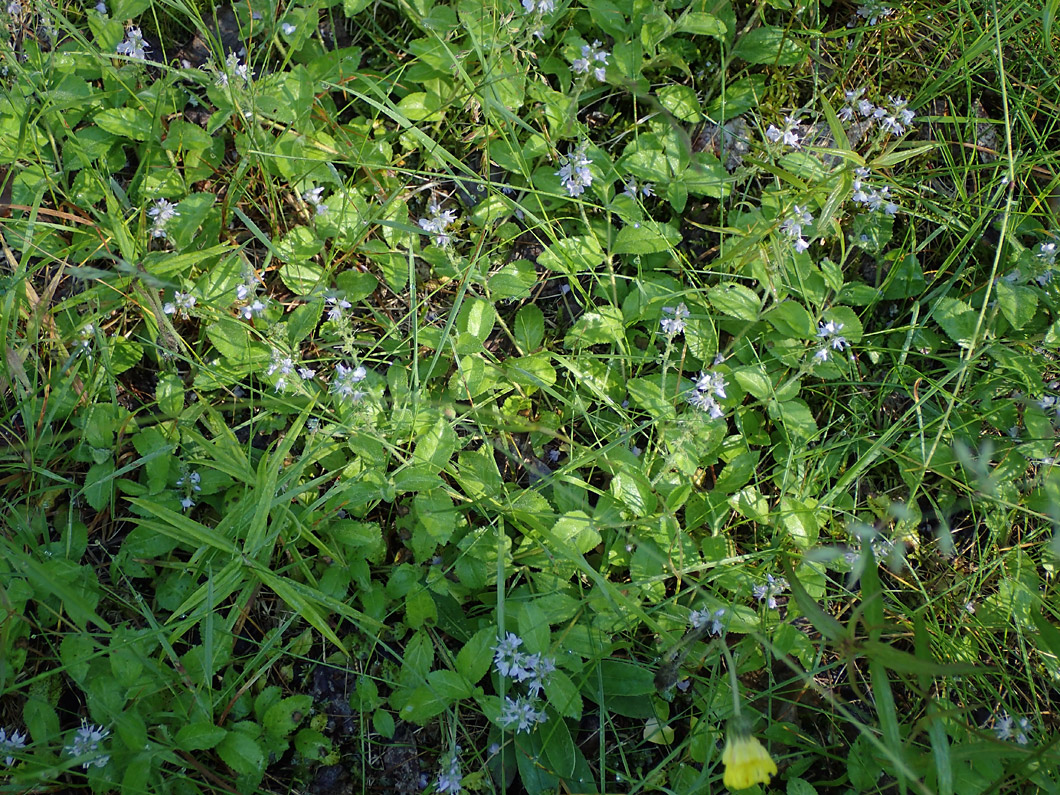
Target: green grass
x,y
429,399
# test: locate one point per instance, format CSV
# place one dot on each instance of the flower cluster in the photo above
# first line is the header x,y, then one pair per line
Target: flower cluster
x,y
709,388
450,777
875,200
234,66
437,222
134,45
190,484
831,340
574,170
1008,728
770,590
314,197
893,116
632,189
793,224
181,304
698,619
873,11
15,741
87,742
285,365
539,6
532,671
344,382
593,60
789,136
672,326
336,306
163,212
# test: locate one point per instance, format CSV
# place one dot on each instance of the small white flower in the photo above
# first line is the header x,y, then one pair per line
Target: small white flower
x,y
450,777
163,212
101,7
15,741
134,45
712,382
336,306
306,373
181,304
437,222
288,29
789,136
506,656
186,503
520,713
672,326
255,307
770,590
574,170
699,618
87,741
593,59
873,10
315,199
344,381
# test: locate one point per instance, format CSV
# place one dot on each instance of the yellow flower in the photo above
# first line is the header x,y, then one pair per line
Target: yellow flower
x,y
746,762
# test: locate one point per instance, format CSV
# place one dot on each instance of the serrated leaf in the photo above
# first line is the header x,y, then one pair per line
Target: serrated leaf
x,y
283,718
596,328
1018,303
572,255
646,237
529,328
199,736
791,319
241,753
130,123
735,300
957,319
681,101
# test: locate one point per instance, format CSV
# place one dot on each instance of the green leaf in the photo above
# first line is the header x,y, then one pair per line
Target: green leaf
x,y
735,300
477,318
563,695
957,319
791,319
535,372
795,416
474,660
514,280
559,749
596,328
737,98
682,101
706,176
199,736
436,445
699,23
241,753
131,123
529,328
646,237
1018,303
169,392
572,255
769,45
283,718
